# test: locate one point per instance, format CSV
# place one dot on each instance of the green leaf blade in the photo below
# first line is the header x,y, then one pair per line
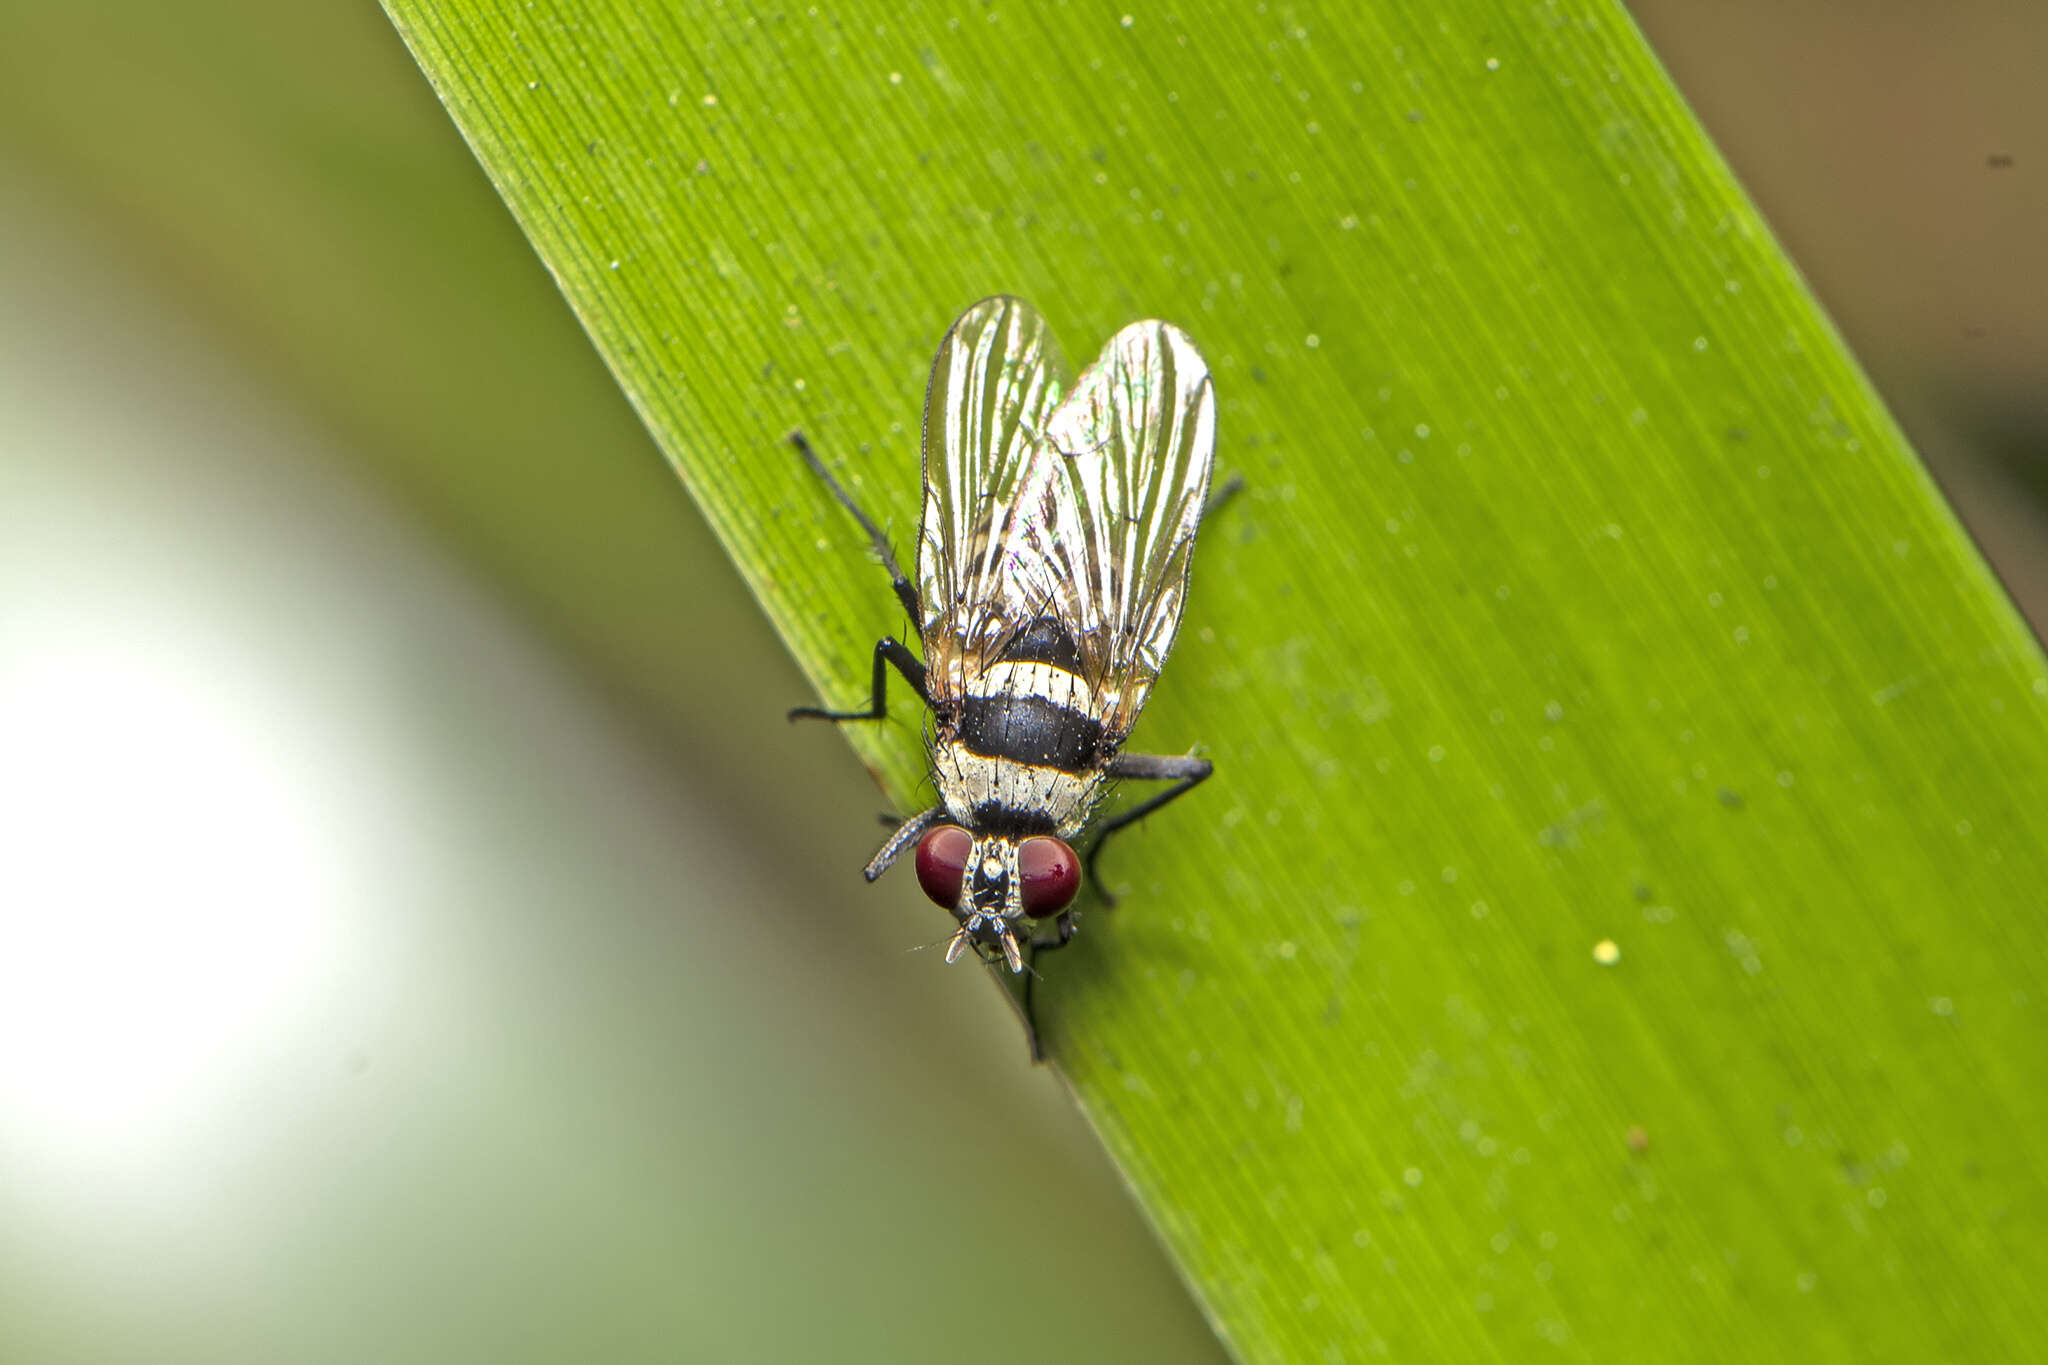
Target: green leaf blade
x,y
1583,592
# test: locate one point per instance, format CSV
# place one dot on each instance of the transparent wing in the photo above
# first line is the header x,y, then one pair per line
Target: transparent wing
x,y
997,379
1112,499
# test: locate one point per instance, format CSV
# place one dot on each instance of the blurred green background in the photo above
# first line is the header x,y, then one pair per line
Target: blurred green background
x,y
399,834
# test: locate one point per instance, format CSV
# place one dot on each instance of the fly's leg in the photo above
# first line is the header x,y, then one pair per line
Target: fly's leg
x,y
1062,935
1218,497
1032,1039
887,651
907,833
1185,771
906,591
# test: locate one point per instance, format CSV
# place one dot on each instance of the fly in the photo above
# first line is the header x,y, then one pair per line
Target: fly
x,y
1052,568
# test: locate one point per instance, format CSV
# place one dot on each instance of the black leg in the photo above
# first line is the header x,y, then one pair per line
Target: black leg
x,y
1028,1008
887,651
906,591
1185,771
1020,1002
1232,486
907,833
1031,1035
1063,934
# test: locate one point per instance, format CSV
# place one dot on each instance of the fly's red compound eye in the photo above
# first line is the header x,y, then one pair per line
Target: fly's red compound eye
x,y
942,856
1051,875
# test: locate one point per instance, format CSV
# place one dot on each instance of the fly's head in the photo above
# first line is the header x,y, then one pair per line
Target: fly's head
x,y
996,885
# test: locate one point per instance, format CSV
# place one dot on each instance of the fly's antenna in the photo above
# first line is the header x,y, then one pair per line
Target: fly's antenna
x,y
994,964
